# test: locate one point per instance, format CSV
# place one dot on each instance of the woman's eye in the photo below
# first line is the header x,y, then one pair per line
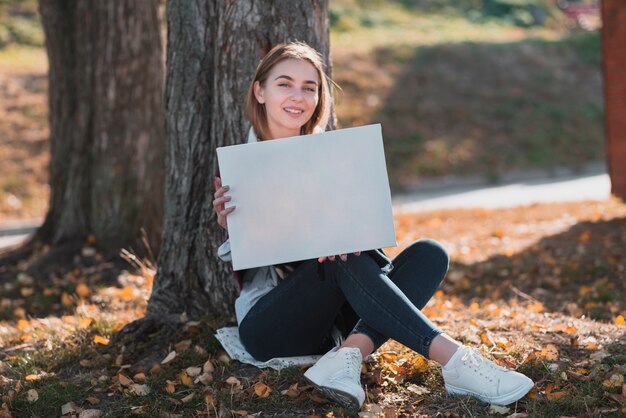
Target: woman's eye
x,y
310,89
283,85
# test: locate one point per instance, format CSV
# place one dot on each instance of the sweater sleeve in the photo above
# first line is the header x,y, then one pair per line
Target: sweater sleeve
x,y
223,252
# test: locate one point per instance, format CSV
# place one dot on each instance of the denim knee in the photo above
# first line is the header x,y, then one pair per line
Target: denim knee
x,y
431,252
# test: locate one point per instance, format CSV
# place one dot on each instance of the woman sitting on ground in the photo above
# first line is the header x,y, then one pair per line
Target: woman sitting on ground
x,y
359,300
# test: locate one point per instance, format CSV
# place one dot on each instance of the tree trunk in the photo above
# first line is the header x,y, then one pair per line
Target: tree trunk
x,y
107,127
614,63
213,49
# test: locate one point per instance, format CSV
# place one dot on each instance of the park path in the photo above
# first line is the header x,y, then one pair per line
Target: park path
x,y
515,190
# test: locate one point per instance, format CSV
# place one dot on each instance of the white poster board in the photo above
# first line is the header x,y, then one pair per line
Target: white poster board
x,y
308,196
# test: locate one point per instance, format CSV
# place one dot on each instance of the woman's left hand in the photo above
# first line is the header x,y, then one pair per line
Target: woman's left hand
x,y
343,257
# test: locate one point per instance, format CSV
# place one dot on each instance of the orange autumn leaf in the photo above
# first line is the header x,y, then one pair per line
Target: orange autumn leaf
x,y
185,379
85,322
550,352
620,320
124,380
262,390
486,338
83,291
66,299
100,340
551,396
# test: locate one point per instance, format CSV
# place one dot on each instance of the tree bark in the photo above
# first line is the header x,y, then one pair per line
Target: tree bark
x,y
213,49
613,63
107,127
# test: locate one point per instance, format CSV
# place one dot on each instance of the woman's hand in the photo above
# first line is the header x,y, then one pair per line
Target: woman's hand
x,y
343,257
219,202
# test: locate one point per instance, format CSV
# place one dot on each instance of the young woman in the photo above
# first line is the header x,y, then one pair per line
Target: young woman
x,y
345,306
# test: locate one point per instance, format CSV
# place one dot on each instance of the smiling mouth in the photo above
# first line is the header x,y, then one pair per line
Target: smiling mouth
x,y
293,111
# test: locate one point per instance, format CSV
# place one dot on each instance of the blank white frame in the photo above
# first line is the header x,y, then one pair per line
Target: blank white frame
x,y
307,196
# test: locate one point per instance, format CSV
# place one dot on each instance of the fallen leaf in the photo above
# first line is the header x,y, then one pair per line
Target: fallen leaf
x,y
239,412
204,378
90,413
83,291
185,379
224,358
419,363
171,356
193,371
124,380
140,390
372,410
188,397
170,387
208,367
32,395
418,390
496,409
262,390
93,400
233,381
615,381
32,377
183,345
100,340
486,339
292,392
139,377
620,320
550,352
69,408
85,322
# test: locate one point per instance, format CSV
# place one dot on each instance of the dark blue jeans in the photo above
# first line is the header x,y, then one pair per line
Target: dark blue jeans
x,y
296,317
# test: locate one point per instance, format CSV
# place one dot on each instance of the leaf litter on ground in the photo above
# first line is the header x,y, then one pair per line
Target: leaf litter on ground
x,y
539,289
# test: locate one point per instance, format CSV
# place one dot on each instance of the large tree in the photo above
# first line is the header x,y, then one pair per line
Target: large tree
x,y
107,127
614,62
212,51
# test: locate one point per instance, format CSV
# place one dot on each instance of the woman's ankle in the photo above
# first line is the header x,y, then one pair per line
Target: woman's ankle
x,y
442,348
360,341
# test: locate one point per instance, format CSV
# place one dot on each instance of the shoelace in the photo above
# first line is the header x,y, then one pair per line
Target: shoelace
x,y
354,364
474,357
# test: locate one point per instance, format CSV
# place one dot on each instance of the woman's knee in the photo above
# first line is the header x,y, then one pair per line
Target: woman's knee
x,y
432,252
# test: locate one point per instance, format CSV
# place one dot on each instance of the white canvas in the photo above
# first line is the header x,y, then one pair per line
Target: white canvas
x,y
307,196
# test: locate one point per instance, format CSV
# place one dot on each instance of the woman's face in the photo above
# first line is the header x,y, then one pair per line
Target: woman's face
x,y
290,96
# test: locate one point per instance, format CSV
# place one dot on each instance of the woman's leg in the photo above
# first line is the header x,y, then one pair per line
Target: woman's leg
x,y
418,272
294,318
380,303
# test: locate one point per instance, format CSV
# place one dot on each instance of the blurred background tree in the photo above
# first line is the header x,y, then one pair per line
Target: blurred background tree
x,y
106,124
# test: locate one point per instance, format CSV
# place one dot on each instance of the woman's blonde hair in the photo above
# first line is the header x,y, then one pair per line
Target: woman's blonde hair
x,y
293,50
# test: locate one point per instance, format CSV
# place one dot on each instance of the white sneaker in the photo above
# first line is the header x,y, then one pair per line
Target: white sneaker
x,y
469,373
338,376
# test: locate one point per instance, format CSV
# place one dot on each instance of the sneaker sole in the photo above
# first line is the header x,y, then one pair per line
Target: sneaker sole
x,y
336,395
500,400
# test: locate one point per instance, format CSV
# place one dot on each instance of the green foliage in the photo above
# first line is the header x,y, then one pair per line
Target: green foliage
x,y
19,23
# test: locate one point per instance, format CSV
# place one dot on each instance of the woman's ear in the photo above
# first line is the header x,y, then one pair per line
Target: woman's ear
x,y
258,92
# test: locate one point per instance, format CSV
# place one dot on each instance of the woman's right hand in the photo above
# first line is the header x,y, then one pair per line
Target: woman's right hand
x,y
219,202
